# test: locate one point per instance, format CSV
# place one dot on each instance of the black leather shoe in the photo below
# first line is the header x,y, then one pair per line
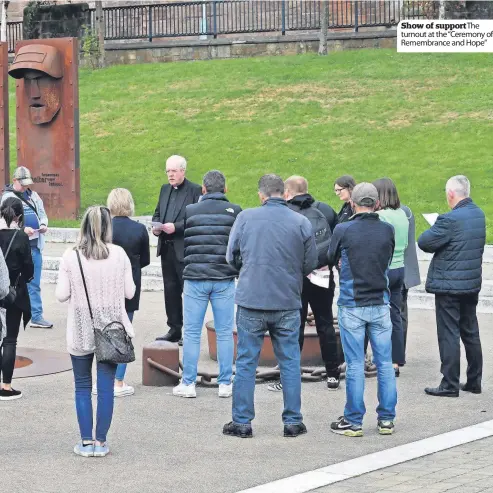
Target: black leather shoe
x,y
170,337
470,388
292,431
441,392
233,429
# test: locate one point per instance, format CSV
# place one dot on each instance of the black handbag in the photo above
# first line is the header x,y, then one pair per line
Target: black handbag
x,y
12,294
113,344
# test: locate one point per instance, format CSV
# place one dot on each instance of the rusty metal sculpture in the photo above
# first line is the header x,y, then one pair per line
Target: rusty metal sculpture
x,y
41,68
4,116
48,120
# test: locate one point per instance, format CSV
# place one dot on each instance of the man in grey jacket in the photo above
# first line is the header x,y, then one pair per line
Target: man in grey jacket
x,y
274,248
35,226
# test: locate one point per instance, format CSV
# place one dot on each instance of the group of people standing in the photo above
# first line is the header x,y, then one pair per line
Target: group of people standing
x,y
206,243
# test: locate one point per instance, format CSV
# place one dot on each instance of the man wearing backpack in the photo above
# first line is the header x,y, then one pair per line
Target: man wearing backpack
x,y
299,200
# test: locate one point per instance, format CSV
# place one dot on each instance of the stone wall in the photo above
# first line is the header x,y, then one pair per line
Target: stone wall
x,y
56,21
171,51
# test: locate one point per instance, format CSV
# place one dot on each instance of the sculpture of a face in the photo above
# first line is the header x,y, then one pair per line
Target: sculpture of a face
x,y
41,68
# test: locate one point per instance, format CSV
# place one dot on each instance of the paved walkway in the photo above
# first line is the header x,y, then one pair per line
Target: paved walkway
x,y
464,469
169,445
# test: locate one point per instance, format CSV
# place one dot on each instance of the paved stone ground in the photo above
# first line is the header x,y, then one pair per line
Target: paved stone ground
x,y
464,469
166,444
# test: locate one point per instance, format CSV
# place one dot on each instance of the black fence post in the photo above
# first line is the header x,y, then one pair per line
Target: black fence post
x,y
283,17
214,18
356,15
149,27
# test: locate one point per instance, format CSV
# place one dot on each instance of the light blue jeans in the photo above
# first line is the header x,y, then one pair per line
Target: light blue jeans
x,y
196,297
284,328
353,323
34,287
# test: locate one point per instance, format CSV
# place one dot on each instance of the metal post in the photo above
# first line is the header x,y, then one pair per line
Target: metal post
x,y
203,26
283,17
150,24
356,8
214,17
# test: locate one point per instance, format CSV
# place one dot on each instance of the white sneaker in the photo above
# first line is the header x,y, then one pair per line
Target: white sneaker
x,y
225,390
183,390
124,390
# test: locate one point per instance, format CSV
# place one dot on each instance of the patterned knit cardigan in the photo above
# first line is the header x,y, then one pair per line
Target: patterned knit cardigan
x,y
109,282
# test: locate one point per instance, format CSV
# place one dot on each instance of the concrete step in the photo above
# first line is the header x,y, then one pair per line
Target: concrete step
x,y
418,298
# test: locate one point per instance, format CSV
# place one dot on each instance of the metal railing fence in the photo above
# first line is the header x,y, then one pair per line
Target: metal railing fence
x,y
220,17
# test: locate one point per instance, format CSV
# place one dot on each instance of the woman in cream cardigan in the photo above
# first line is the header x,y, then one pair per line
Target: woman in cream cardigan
x,y
108,276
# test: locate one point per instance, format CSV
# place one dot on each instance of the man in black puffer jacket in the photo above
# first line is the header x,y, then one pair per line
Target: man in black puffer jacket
x,y
208,277
457,240
319,298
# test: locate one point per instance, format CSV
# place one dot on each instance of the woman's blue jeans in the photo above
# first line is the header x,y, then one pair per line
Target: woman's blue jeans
x,y
82,367
122,367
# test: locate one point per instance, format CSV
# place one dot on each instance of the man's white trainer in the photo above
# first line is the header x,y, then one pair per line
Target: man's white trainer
x,y
225,390
183,390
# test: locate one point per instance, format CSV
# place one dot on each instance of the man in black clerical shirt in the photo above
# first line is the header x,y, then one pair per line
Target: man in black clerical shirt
x,y
168,225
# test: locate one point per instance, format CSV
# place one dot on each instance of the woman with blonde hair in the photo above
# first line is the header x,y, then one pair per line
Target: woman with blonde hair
x,y
105,270
134,239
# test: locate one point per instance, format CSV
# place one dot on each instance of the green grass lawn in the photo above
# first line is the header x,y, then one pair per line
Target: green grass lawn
x,y
417,118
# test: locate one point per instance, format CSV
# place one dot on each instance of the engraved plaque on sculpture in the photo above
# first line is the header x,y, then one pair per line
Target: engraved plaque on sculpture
x,y
47,103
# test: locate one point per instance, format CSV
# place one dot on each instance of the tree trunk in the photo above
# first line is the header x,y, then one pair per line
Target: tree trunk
x,y
441,10
100,31
3,33
324,22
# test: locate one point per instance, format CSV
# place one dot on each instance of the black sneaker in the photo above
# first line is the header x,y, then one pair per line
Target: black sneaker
x,y
10,395
333,383
385,427
236,430
342,427
291,431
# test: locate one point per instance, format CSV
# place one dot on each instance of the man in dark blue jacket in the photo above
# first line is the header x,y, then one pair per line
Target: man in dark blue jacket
x,y
208,277
274,248
457,240
363,248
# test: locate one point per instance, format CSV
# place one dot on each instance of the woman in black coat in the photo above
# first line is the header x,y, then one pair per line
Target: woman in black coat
x,y
134,239
17,252
343,187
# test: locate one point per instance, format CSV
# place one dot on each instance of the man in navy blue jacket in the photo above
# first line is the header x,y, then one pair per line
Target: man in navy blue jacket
x,y
274,248
457,240
363,248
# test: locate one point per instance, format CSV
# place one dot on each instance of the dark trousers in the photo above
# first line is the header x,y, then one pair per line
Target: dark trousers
x,y
320,300
9,345
396,281
404,316
456,320
173,288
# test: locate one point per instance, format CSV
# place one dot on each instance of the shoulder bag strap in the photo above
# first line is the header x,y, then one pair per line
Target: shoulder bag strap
x,y
31,204
10,244
85,286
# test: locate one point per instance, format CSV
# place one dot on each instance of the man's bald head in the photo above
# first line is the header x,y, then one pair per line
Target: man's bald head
x,y
295,185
